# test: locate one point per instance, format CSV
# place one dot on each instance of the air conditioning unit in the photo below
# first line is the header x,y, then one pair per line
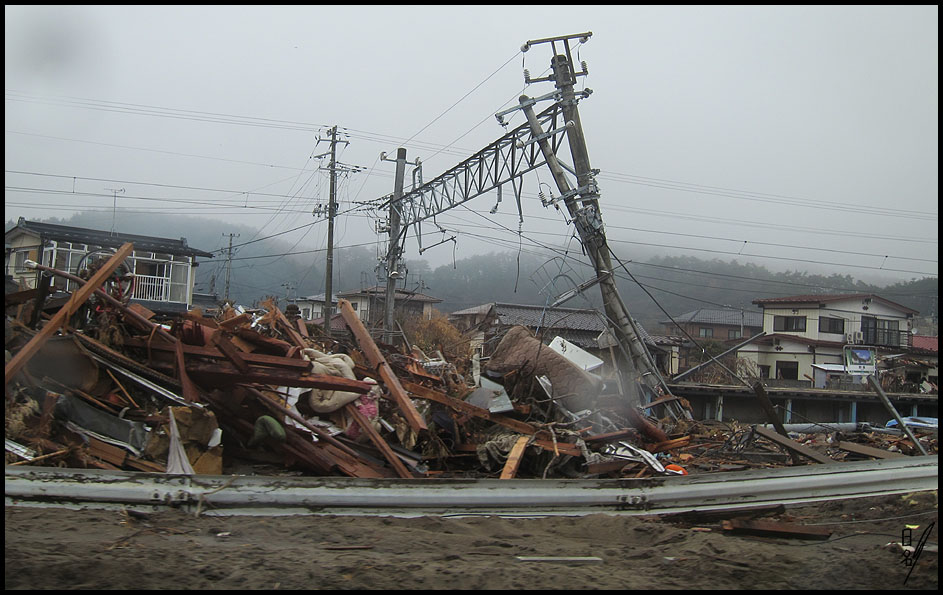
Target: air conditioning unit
x,y
849,338
859,337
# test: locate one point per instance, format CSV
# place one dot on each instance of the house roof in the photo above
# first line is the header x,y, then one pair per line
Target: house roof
x,y
399,294
720,316
81,235
562,318
828,298
924,343
579,326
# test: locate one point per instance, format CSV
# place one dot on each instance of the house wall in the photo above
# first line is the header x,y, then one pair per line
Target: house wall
x,y
784,353
851,311
174,284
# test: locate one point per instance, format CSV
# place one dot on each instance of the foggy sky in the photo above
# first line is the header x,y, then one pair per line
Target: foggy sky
x,y
804,133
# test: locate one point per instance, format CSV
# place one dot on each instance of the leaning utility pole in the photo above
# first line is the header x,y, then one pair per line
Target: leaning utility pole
x,y
582,203
392,253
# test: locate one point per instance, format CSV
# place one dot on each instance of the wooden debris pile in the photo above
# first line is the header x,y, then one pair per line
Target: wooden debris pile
x,y
91,381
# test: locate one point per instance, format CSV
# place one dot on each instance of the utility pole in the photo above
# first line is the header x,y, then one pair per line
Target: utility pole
x,y
392,253
582,203
229,264
329,262
114,206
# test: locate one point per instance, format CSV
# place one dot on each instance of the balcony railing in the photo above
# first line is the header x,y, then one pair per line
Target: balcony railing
x,y
147,287
886,338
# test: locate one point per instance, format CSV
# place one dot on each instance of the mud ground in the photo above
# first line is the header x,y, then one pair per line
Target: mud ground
x,y
95,549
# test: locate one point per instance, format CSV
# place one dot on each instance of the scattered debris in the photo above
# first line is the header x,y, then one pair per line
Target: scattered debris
x,y
92,382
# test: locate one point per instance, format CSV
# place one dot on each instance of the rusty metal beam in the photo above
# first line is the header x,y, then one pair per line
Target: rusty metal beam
x,y
379,363
79,297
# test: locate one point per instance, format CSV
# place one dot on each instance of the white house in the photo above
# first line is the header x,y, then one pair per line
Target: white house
x,y
162,268
806,333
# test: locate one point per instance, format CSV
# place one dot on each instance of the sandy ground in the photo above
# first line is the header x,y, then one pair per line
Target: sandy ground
x,y
93,549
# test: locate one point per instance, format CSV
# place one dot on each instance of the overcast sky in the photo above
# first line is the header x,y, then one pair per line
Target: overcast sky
x,y
785,136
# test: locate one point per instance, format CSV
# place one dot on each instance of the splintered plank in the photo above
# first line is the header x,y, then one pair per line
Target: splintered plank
x,y
792,445
378,441
463,407
514,458
775,529
379,363
870,451
229,350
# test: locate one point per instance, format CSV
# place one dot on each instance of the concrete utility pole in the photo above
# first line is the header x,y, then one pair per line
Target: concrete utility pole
x,y
582,203
392,253
229,264
329,262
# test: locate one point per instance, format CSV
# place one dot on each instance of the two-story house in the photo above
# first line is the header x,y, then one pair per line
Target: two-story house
x,y
809,331
163,268
370,304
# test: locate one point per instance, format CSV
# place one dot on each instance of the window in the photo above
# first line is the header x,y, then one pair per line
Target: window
x,y
706,332
733,334
764,371
787,370
831,325
789,324
879,331
19,261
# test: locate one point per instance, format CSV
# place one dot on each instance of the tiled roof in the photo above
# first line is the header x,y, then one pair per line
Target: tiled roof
x,y
826,298
95,237
719,316
482,309
533,316
924,343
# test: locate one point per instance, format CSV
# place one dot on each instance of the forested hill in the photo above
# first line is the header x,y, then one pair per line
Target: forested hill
x,y
649,286
674,284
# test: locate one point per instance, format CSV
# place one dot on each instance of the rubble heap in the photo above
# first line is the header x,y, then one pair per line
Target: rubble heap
x,y
92,382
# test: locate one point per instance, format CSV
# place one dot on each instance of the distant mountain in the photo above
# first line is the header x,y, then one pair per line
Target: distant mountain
x,y
660,284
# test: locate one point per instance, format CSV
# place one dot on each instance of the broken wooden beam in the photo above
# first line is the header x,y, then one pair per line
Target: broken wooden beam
x,y
260,359
224,373
792,445
775,529
378,441
379,363
79,297
226,347
861,449
514,458
424,392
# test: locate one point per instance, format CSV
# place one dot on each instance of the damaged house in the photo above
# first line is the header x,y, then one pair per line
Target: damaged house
x,y
163,269
586,328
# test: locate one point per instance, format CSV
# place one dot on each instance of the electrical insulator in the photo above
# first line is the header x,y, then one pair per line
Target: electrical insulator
x,y
526,76
585,69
